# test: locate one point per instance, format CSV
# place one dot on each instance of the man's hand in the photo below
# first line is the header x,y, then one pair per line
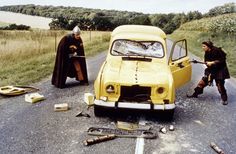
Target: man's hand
x,y
210,63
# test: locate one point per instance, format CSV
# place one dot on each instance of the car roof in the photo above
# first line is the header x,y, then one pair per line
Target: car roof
x,y
138,32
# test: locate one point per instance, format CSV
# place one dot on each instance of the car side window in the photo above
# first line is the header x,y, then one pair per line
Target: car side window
x,y
179,50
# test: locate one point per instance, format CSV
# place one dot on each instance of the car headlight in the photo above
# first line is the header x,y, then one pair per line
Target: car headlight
x,y
110,89
160,90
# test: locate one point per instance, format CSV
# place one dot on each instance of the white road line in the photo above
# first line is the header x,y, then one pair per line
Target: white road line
x,y
139,145
139,149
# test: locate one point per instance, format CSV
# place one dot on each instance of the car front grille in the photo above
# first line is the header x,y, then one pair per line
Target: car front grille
x,y
135,93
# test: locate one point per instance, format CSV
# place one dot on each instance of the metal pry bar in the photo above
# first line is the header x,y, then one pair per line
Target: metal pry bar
x,y
197,62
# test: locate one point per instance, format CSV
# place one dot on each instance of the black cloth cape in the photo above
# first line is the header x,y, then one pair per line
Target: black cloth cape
x,y
63,65
219,70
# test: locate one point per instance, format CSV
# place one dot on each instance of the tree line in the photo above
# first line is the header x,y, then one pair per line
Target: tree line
x,y
104,20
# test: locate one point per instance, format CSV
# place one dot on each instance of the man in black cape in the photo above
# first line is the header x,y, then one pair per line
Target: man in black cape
x,y
215,59
70,60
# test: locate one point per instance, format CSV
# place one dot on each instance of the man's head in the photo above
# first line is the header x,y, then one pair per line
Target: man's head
x,y
207,45
76,32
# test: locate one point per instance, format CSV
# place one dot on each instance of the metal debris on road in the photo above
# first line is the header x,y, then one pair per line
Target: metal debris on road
x,y
163,130
16,90
82,114
126,125
171,128
216,148
61,107
98,131
99,139
89,99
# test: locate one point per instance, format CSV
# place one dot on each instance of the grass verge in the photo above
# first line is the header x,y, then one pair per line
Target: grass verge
x,y
27,57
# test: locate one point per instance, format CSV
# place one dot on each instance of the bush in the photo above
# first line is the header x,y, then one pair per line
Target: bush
x,y
15,27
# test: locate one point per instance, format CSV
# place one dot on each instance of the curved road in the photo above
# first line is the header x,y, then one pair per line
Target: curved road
x,y
36,128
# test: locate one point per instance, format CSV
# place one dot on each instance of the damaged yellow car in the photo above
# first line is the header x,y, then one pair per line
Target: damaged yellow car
x,y
141,71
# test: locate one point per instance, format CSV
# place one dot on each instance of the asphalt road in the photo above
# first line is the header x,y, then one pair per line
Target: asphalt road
x,y
36,128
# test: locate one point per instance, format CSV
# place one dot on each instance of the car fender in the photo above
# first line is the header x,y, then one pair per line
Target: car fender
x,y
97,83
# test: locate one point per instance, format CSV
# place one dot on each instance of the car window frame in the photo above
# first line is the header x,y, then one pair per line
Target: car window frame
x,y
172,48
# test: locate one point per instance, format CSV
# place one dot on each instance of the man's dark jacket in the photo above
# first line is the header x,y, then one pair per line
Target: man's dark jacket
x,y
218,70
63,65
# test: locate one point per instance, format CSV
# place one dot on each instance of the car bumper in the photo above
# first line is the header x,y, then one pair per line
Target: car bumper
x,y
133,105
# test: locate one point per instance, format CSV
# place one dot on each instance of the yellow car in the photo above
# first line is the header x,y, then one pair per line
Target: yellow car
x,y
140,71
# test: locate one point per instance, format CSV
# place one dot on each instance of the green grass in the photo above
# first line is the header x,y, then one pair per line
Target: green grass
x,y
3,24
225,23
195,38
27,57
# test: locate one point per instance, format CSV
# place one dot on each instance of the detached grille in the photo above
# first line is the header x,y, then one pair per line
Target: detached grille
x,y
135,93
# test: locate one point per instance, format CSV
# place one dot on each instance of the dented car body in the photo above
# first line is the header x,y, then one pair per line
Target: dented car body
x,y
140,72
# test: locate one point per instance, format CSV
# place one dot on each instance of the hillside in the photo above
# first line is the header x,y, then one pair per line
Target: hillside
x,y
18,18
223,23
220,29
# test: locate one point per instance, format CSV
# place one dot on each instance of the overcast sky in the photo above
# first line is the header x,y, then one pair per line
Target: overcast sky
x,y
145,6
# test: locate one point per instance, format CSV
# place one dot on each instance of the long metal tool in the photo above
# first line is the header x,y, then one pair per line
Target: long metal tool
x,y
147,134
99,139
197,62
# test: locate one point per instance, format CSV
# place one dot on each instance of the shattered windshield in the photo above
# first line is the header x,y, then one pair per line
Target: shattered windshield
x,y
137,48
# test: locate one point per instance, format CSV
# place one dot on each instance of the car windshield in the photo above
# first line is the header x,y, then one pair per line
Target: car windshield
x,y
137,48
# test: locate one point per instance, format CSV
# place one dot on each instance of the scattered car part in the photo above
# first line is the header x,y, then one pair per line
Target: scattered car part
x,y
82,114
99,139
163,130
148,134
126,125
61,107
171,128
34,97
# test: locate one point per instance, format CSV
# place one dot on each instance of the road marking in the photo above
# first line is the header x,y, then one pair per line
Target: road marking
x,y
139,145
139,149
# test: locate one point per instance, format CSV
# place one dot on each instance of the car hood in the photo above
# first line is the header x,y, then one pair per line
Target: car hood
x,y
136,72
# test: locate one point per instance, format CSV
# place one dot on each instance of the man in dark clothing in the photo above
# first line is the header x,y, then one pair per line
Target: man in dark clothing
x,y
70,60
217,70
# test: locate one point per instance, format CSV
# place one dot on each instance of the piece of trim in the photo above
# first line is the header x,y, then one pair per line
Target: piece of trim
x,y
129,105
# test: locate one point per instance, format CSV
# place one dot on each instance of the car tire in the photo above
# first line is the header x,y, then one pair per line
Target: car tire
x,y
164,115
99,111
168,114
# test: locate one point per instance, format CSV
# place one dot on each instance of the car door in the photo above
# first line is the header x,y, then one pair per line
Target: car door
x,y
179,63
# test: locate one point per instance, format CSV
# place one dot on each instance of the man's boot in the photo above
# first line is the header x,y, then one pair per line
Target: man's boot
x,y
224,98
194,95
197,91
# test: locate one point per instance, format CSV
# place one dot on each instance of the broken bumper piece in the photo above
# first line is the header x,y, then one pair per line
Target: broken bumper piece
x,y
133,105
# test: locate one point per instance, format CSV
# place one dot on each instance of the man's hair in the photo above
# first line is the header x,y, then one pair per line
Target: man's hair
x,y
208,43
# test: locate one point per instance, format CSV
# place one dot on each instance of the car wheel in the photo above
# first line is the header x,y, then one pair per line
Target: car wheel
x,y
169,114
164,115
99,111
